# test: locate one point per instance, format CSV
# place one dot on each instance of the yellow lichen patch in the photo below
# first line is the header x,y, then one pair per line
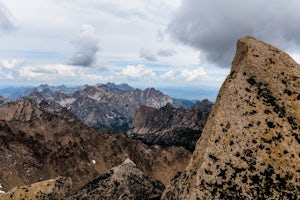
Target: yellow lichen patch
x,y
58,188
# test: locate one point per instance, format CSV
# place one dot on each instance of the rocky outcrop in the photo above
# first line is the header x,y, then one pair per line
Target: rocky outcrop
x,y
250,146
29,110
169,126
39,142
58,188
125,181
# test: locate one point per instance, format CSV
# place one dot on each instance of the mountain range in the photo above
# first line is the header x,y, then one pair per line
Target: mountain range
x,y
103,106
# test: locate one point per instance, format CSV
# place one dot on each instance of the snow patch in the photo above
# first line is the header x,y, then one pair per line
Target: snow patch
x,y
109,117
1,191
66,102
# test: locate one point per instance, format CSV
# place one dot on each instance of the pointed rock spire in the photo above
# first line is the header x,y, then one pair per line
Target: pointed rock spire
x,y
250,146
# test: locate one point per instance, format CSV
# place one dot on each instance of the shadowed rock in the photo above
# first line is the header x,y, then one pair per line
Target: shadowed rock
x,y
169,126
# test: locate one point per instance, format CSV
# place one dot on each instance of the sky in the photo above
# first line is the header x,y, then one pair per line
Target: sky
x,y
145,43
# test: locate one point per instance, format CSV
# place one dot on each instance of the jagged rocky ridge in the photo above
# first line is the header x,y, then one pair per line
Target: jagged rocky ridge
x,y
104,106
39,142
250,146
169,126
125,181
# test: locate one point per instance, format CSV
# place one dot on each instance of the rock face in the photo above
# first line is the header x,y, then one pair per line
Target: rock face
x,y
104,108
39,142
250,146
125,181
58,188
169,126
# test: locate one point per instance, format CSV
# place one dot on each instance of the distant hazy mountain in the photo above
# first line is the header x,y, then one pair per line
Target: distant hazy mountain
x,y
15,92
19,92
121,87
3,100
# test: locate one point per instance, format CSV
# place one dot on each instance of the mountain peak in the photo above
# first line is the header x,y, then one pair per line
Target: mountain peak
x,y
251,51
128,161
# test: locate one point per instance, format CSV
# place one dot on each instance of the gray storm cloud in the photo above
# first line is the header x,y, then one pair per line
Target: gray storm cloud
x,y
166,52
6,19
213,27
85,47
147,54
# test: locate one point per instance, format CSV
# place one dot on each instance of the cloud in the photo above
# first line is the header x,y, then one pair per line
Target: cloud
x,y
136,72
166,52
214,26
147,54
46,72
86,47
193,75
170,75
6,19
58,72
10,64
6,76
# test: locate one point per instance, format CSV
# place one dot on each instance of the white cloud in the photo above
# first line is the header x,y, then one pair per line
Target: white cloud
x,y
170,75
136,72
57,72
6,76
44,72
193,75
10,64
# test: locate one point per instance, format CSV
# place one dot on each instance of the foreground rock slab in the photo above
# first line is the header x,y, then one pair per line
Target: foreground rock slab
x,y
58,188
250,146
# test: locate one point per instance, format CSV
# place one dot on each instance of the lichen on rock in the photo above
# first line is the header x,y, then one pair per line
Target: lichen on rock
x,y
249,148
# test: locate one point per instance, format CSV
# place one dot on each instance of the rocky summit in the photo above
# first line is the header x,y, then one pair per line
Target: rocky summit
x,y
169,126
250,146
125,181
